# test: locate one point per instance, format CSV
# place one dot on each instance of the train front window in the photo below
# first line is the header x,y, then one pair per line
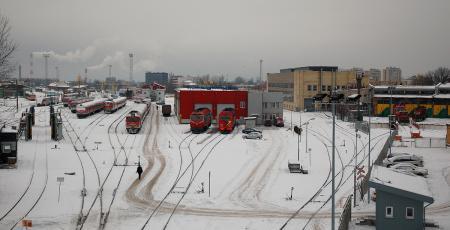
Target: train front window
x,y
196,117
132,119
225,118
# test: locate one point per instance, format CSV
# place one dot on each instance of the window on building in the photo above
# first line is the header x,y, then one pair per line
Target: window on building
x,y
273,104
309,87
242,104
409,213
389,212
329,88
323,88
6,148
265,105
314,87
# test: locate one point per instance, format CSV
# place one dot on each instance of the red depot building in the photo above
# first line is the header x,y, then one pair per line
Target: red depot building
x,y
187,100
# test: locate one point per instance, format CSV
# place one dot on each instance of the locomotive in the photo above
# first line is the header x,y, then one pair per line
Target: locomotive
x,y
89,108
135,118
200,120
227,120
113,105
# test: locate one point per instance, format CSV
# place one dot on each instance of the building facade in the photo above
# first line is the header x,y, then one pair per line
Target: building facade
x,y
300,85
187,100
392,75
266,104
161,78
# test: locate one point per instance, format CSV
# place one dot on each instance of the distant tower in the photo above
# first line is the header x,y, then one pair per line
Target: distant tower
x,y
57,73
85,75
109,66
46,56
131,68
31,65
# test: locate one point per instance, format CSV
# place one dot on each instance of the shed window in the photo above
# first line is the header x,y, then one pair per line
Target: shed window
x,y
409,213
242,104
389,212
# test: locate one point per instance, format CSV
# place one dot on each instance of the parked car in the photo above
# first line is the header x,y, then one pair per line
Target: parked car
x,y
250,130
396,154
253,135
410,168
268,123
413,159
279,122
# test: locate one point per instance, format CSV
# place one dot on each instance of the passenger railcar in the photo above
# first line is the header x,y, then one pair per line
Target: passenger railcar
x,y
113,105
200,120
73,103
89,108
227,120
136,117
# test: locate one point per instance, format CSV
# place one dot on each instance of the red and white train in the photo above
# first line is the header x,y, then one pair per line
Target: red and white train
x,y
200,120
227,120
136,117
73,103
113,105
89,108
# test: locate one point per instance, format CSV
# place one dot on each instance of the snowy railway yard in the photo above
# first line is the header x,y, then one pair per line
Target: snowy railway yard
x,y
192,181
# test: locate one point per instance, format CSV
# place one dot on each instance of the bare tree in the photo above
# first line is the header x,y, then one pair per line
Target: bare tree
x,y
7,48
439,75
420,79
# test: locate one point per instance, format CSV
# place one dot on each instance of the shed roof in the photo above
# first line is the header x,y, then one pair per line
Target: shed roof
x,y
387,180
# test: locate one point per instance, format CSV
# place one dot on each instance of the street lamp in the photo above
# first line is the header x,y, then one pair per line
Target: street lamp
x,y
307,123
390,88
356,166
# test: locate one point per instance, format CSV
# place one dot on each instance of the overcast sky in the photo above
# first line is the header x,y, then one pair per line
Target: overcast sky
x,y
196,37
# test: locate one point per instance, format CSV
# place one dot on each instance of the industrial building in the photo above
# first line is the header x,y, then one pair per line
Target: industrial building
x,y
187,100
300,85
435,99
266,104
161,78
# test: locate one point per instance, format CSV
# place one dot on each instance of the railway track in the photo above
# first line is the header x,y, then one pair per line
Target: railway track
x,y
180,175
15,210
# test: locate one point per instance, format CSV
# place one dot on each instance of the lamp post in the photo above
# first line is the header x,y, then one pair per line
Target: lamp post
x,y
368,161
306,141
390,88
356,166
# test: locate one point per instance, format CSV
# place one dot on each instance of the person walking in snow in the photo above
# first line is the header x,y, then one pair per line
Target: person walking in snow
x,y
139,171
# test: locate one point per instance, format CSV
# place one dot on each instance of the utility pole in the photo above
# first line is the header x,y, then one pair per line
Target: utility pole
x,y
333,105
131,68
368,161
17,89
262,92
354,169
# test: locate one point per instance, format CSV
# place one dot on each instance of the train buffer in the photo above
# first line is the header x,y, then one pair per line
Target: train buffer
x,y
296,167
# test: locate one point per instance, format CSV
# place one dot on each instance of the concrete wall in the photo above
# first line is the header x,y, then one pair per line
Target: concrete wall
x,y
399,220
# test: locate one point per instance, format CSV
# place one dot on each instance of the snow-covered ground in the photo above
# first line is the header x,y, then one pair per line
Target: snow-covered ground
x,y
246,183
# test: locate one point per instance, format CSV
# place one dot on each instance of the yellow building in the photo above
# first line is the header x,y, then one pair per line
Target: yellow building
x,y
300,85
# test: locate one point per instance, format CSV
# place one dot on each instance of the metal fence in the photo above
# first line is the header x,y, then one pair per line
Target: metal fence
x,y
346,215
429,142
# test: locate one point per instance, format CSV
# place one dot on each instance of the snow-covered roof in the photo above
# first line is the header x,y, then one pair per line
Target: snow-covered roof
x,y
414,187
402,96
59,85
406,87
446,85
442,96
